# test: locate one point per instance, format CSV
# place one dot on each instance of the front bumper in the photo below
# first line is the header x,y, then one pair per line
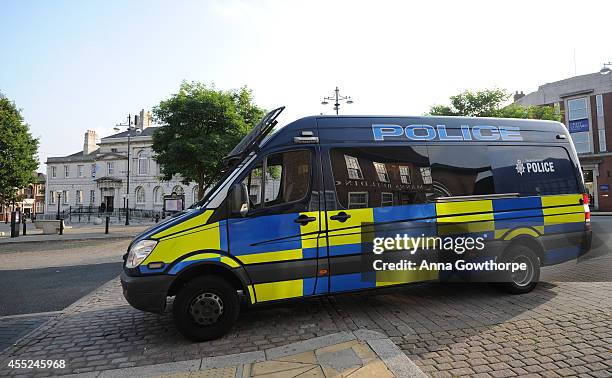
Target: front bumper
x,y
147,293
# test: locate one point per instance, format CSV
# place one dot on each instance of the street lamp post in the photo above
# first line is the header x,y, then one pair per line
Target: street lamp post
x,y
605,69
130,128
337,98
59,199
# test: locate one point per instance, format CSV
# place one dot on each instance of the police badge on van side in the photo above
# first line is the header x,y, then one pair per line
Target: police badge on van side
x,y
534,167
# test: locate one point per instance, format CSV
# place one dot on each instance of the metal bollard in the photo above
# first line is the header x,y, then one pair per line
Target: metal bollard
x,y
14,225
23,220
156,218
61,230
107,224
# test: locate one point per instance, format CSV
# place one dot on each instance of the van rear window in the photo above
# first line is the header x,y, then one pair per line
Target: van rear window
x,y
532,170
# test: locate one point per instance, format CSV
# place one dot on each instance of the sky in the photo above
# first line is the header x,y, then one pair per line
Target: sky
x,y
78,65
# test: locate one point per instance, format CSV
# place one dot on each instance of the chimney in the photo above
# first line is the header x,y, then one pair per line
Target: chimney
x,y
89,145
143,120
518,96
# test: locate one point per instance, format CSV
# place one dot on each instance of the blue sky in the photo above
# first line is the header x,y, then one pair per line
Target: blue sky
x,y
78,65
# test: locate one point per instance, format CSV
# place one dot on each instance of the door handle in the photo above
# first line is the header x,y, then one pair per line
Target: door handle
x,y
340,217
304,219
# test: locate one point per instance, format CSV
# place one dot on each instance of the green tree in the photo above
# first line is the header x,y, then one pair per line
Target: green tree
x,y
200,126
492,103
18,152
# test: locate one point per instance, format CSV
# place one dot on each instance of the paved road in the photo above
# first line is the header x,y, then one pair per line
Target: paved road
x,y
50,289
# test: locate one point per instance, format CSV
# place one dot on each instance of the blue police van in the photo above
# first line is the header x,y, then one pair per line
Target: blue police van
x,y
299,209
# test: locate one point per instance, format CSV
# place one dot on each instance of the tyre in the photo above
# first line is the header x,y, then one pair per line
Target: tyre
x,y
205,308
521,281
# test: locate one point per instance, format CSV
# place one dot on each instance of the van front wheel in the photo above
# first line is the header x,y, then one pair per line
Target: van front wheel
x,y
524,280
205,308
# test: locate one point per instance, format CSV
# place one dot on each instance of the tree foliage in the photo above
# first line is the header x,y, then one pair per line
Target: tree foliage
x,y
18,152
200,126
492,103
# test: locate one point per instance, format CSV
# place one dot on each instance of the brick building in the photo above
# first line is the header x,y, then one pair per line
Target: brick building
x,y
31,200
585,104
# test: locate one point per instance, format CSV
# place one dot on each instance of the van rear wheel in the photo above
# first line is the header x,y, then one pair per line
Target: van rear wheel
x,y
520,281
205,308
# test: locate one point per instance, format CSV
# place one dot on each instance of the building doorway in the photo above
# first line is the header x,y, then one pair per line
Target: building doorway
x,y
109,203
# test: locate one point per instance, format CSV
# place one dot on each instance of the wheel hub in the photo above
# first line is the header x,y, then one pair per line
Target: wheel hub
x,y
523,277
206,308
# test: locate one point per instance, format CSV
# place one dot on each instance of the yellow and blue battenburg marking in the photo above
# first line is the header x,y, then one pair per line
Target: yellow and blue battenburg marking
x,y
281,256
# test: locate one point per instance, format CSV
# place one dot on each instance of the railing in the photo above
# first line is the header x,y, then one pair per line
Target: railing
x,y
87,213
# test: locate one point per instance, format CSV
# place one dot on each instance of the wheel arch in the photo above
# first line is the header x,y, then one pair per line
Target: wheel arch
x,y
211,268
535,244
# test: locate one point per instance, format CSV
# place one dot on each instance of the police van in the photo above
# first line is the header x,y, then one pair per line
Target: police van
x,y
296,212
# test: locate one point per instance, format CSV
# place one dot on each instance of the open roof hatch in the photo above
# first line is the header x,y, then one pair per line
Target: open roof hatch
x,y
251,141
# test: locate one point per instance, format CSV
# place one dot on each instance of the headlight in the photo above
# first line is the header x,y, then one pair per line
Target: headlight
x,y
139,252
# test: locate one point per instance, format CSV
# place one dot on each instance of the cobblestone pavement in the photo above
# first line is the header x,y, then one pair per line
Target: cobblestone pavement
x,y
12,328
563,327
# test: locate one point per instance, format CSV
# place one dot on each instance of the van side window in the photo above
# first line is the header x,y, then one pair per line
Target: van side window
x,y
253,183
287,179
533,170
460,170
375,176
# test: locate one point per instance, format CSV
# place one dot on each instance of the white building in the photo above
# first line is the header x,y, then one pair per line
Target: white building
x,y
97,176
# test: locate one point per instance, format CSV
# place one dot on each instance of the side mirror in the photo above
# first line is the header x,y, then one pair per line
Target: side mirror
x,y
239,199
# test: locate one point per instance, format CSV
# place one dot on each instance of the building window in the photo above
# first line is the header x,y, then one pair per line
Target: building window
x,y
110,168
578,124
140,195
93,171
80,171
92,197
79,197
65,195
54,172
39,208
41,190
353,168
357,200
178,190
601,123
426,175
386,199
158,195
143,163
577,108
113,150
195,194
602,140
52,197
66,171
381,171
599,102
404,174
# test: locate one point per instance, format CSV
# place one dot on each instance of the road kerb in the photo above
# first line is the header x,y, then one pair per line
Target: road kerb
x,y
394,360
